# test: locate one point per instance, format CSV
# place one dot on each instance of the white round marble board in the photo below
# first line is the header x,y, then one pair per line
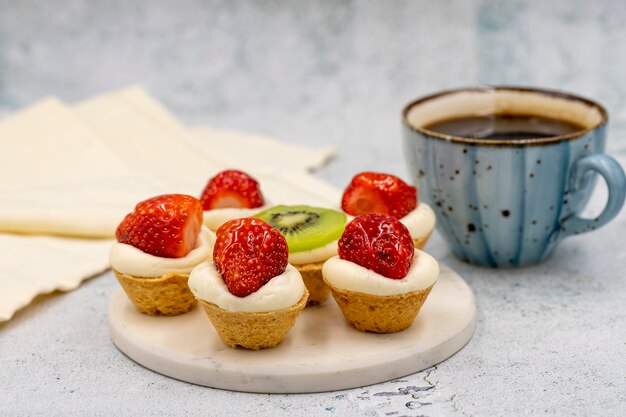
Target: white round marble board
x,y
320,353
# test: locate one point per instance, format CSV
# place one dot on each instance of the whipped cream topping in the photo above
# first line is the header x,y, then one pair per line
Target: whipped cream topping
x,y
349,276
128,259
314,255
282,291
213,219
420,221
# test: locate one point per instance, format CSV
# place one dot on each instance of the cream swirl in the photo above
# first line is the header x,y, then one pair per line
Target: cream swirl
x,y
314,255
282,291
213,219
420,221
128,259
347,275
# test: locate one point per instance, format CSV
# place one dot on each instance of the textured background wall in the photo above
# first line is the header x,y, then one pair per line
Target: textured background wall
x,y
311,72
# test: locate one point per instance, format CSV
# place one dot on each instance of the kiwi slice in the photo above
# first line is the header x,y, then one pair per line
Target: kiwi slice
x,y
305,227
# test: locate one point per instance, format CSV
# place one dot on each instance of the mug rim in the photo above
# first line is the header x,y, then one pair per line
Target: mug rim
x,y
505,142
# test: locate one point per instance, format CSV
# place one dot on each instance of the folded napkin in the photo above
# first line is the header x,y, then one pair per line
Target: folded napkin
x,y
238,149
33,265
60,178
255,152
76,171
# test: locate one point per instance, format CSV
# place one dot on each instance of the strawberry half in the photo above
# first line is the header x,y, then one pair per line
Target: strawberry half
x,y
248,253
380,243
232,188
372,192
166,226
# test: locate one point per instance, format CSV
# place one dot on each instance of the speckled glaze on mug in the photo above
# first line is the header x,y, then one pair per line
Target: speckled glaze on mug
x,y
507,203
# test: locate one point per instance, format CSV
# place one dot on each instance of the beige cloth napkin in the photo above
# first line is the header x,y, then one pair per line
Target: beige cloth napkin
x,y
77,171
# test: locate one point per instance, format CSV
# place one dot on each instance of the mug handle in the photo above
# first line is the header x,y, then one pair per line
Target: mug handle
x,y
615,179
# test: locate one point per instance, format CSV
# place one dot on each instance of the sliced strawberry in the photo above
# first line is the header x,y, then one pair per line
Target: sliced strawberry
x,y
166,226
248,253
380,243
232,189
372,192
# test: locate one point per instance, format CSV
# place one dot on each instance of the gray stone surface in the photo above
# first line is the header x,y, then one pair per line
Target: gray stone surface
x,y
550,338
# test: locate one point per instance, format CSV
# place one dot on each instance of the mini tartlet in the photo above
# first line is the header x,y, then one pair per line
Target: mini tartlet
x,y
312,234
231,194
379,280
249,292
158,245
373,192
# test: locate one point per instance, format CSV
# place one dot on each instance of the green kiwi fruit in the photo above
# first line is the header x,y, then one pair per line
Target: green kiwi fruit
x,y
305,227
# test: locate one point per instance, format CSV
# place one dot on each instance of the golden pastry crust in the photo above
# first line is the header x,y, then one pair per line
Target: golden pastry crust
x,y
167,295
253,330
420,242
314,283
379,313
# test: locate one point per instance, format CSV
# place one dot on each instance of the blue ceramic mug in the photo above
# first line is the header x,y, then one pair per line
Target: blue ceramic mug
x,y
508,202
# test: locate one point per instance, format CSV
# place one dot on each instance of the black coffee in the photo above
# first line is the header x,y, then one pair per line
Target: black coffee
x,y
504,126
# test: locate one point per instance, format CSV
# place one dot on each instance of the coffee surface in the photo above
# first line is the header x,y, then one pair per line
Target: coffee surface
x,y
504,127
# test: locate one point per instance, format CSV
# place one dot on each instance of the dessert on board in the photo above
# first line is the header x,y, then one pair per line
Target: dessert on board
x,y
249,292
158,244
265,269
374,192
378,279
230,194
